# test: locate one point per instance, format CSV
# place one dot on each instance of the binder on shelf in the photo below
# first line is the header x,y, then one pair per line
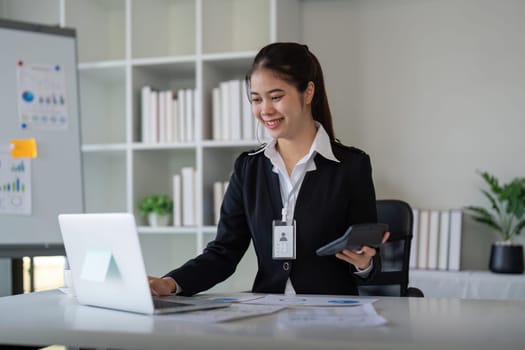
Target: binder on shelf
x,y
216,114
433,241
188,196
415,239
235,109
225,110
181,97
175,120
189,115
424,218
169,116
248,131
145,114
444,227
454,257
218,194
153,116
162,117
177,201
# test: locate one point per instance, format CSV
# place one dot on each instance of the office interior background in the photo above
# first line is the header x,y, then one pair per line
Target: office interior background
x,y
433,90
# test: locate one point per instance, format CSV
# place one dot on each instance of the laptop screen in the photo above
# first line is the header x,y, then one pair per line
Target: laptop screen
x,y
106,261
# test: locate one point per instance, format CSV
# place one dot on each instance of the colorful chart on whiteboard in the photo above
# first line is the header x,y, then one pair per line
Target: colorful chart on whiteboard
x,y
42,102
15,185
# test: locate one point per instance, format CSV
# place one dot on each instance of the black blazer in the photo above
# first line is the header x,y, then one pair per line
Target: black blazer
x,y
331,198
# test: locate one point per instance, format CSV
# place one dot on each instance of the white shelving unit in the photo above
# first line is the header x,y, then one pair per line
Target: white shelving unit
x,y
469,284
169,44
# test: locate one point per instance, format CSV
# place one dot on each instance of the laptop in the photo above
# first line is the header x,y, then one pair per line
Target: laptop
x,y
104,254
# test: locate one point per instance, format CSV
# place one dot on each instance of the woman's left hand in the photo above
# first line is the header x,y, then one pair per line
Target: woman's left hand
x,y
360,258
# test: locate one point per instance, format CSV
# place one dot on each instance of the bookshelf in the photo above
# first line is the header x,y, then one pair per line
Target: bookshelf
x,y
469,284
170,44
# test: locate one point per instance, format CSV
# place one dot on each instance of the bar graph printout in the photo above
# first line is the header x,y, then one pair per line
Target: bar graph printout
x,y
42,99
15,185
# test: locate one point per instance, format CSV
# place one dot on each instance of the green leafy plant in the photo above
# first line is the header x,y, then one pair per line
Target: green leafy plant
x,y
507,206
157,203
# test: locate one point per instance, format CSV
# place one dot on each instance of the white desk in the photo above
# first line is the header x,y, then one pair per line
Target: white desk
x,y
414,323
469,284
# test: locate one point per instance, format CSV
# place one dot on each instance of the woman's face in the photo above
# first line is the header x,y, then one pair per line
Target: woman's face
x,y
279,106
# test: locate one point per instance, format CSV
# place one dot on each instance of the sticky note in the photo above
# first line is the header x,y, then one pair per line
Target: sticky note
x,y
99,265
23,148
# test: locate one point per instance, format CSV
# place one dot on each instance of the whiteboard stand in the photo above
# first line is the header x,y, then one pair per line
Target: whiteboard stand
x,y
53,181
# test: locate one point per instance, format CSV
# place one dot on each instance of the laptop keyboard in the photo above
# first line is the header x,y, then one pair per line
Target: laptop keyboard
x,y
162,304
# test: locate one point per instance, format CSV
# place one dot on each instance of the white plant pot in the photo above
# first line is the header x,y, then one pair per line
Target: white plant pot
x,y
157,220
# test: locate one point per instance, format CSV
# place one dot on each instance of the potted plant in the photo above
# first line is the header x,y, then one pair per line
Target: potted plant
x,y
506,217
157,208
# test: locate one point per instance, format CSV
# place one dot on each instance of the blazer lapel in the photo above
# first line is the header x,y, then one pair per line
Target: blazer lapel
x,y
318,176
274,189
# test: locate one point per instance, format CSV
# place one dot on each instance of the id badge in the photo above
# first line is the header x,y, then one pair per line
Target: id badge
x,y
283,240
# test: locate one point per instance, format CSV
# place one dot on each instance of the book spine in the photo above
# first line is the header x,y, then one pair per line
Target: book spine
x,y
444,227
181,98
225,110
190,115
216,114
168,103
414,245
188,196
433,242
454,258
235,109
145,111
218,192
248,131
175,120
177,201
154,117
422,262
162,117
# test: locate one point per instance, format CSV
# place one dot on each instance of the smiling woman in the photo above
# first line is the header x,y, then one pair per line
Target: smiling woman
x,y
303,188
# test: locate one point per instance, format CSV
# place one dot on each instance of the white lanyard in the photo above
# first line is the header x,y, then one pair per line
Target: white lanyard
x,y
295,188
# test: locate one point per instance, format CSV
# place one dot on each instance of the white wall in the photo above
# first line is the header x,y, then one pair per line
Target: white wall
x,y
433,90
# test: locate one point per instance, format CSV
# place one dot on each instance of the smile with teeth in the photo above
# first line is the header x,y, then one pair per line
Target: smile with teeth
x,y
273,123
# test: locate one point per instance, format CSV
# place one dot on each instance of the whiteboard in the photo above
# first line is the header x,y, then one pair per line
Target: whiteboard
x,y
39,100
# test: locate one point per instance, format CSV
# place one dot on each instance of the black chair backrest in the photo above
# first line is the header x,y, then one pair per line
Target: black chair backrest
x,y
392,280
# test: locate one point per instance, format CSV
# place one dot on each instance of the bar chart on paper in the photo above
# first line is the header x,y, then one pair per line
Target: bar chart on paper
x,y
15,186
15,189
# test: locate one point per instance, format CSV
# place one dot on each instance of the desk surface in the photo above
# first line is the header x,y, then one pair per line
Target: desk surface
x,y
413,323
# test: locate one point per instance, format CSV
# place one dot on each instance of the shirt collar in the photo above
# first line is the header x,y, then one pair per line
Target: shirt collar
x,y
321,145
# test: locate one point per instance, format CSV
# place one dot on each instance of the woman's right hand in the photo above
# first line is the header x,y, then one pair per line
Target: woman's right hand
x,y
162,286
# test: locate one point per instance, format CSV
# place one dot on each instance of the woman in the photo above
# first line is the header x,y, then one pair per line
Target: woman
x,y
290,197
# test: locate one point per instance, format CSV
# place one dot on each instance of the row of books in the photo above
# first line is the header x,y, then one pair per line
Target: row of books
x,y
232,118
436,242
184,198
167,116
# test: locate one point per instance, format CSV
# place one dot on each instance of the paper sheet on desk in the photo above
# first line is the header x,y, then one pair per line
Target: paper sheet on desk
x,y
235,299
233,312
299,300
343,317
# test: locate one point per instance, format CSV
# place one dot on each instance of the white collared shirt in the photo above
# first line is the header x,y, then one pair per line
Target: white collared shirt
x,y
321,145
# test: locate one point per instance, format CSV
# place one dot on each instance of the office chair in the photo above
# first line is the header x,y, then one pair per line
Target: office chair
x,y
392,280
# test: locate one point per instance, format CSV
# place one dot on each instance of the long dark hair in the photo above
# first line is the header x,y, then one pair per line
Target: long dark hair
x,y
295,64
